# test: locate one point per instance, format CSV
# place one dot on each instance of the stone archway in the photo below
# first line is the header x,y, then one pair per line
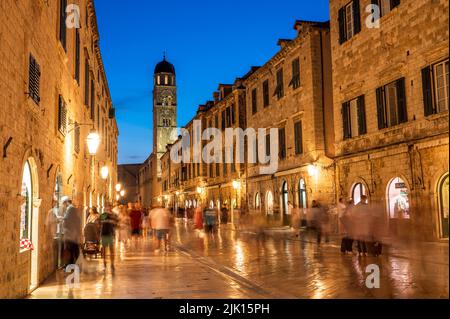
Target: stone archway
x,y
29,217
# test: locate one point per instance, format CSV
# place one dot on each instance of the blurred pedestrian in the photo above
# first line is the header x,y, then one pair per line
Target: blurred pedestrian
x,y
71,229
361,219
160,223
124,225
136,223
224,214
320,221
210,219
145,223
108,222
93,216
345,226
198,218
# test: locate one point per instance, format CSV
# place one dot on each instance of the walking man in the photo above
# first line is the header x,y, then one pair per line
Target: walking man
x,y
160,223
71,229
108,222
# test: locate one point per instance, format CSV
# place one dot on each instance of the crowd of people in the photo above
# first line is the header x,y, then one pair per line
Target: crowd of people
x,y
360,225
117,223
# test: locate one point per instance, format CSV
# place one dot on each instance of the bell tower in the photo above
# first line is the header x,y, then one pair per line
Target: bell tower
x,y
164,109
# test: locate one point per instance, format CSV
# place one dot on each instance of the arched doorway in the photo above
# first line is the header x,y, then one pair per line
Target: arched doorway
x,y
398,199
269,203
29,217
285,203
443,193
358,190
258,202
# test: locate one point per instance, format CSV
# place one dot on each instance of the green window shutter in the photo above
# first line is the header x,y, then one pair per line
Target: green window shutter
x,y
401,101
362,127
427,89
381,108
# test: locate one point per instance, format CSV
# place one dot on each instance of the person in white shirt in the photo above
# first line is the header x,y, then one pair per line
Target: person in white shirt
x,y
160,223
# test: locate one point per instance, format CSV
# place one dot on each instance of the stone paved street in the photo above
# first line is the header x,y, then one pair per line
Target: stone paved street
x,y
241,265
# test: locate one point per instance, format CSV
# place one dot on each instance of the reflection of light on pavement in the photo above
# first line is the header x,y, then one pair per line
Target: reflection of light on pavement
x,y
239,256
319,289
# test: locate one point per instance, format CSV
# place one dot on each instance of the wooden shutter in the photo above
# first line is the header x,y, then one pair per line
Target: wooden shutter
x,y
298,138
254,105
77,55
92,100
401,101
427,89
228,117
381,108
233,114
62,24
341,21
282,142
346,125
77,138
266,93
362,127
86,83
356,17
223,120
34,74
62,116
268,145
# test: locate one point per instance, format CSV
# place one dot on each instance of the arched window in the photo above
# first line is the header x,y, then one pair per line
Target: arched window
x,y
358,190
302,200
285,198
443,193
398,199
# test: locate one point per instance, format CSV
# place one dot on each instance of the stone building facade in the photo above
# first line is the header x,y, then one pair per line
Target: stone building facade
x,y
292,92
128,178
53,93
390,87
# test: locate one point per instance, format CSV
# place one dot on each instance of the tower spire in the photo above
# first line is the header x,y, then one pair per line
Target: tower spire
x,y
164,55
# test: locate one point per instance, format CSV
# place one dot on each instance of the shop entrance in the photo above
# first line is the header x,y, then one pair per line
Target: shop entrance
x,y
285,203
29,218
398,206
443,205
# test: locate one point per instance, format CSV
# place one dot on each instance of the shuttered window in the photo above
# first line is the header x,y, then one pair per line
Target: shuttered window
x,y
92,100
62,116
279,90
391,104
349,20
254,101
386,6
233,114
295,81
266,96
267,145
435,88
77,138
298,131
86,83
228,119
354,118
34,74
62,23
223,120
282,142
77,55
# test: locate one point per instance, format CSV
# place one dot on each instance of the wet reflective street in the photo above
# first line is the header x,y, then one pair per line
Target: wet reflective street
x,y
234,264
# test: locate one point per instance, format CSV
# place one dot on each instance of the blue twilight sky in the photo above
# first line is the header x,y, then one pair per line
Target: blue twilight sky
x,y
208,41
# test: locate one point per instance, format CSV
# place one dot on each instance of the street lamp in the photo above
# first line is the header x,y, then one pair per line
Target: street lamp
x,y
312,170
104,172
122,193
93,141
118,187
